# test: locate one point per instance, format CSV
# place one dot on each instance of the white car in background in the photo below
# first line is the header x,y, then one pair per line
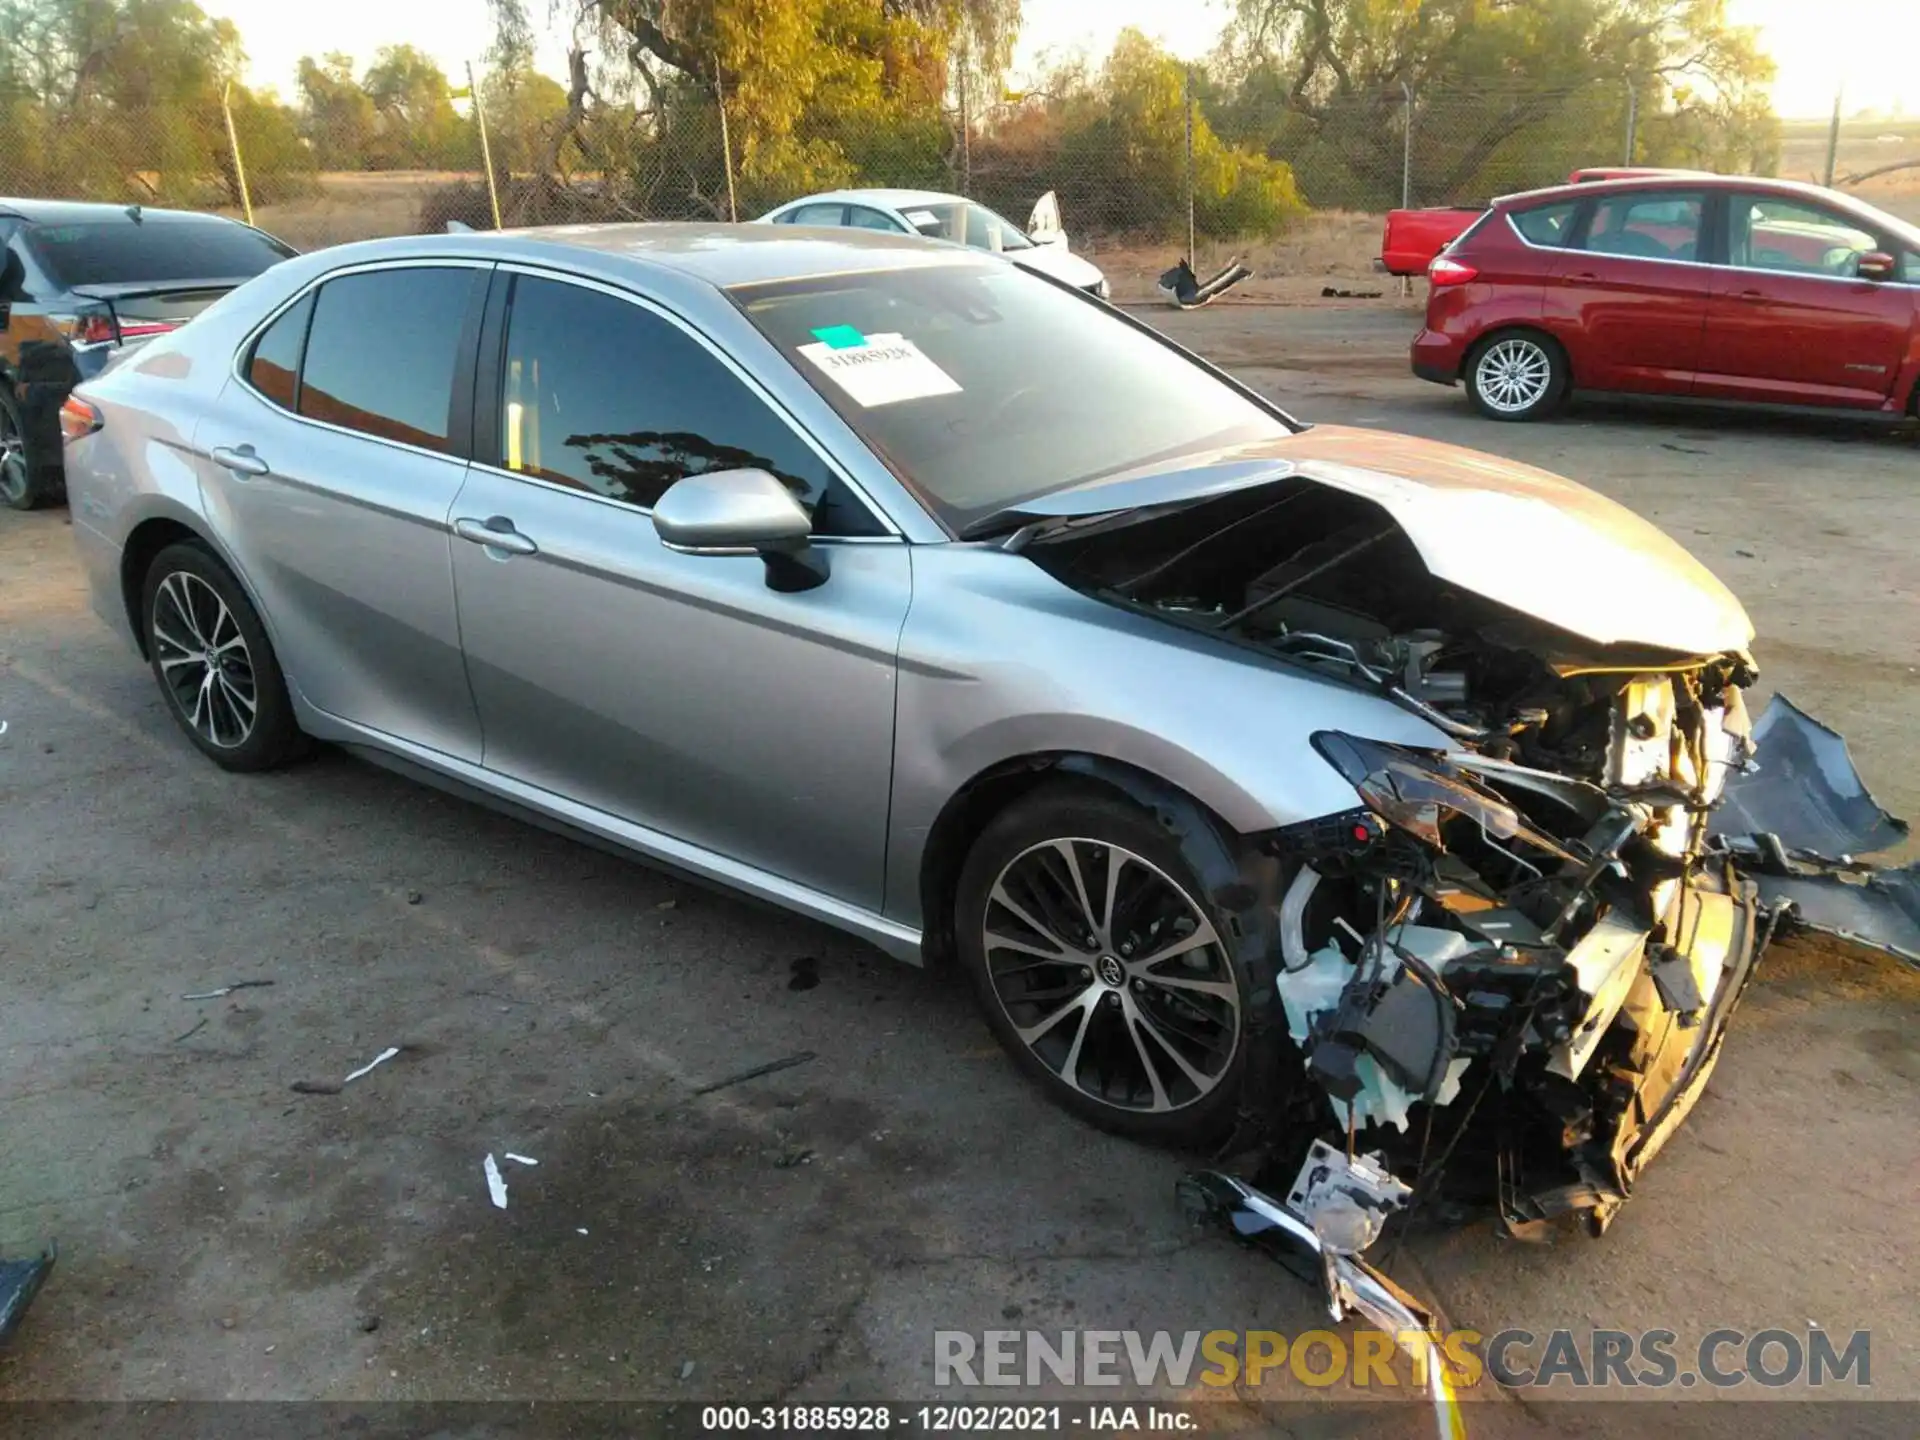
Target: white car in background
x,y
1042,246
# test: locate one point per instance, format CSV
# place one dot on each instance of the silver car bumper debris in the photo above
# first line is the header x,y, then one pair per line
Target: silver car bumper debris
x,y
1352,1286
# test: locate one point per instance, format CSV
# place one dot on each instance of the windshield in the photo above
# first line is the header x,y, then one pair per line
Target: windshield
x,y
158,249
983,386
968,223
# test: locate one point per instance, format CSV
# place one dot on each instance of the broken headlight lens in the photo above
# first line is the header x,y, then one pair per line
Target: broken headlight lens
x,y
1412,791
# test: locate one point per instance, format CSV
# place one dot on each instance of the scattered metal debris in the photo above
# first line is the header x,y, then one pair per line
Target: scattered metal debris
x,y
686,1369
496,1184
521,1159
1185,291
229,989
770,1068
380,1059
198,1026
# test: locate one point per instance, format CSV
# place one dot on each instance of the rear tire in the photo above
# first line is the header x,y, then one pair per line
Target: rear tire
x,y
29,458
1517,375
213,662
1139,1027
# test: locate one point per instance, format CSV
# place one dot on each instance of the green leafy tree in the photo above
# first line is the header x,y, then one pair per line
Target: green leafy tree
x,y
122,99
1506,94
340,119
415,123
816,92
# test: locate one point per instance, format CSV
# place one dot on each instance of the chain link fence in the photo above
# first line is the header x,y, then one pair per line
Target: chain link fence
x,y
1180,169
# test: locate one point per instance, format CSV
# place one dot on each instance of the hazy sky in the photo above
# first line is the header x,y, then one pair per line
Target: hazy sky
x,y
1869,46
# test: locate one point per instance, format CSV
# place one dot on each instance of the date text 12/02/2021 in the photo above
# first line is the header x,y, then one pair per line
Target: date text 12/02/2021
x,y
950,1419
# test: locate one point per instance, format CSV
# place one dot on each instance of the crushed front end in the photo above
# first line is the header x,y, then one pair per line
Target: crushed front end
x,y
1508,969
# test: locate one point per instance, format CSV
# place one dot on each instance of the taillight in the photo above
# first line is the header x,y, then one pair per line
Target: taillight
x,y
1447,271
94,328
88,330
77,418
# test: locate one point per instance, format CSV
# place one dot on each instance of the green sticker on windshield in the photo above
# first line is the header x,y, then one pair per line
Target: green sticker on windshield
x,y
840,337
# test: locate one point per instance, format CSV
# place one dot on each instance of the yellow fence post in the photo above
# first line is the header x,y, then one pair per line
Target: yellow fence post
x,y
233,139
486,150
726,145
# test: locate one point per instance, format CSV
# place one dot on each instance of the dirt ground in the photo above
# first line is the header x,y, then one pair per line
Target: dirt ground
x,y
802,1235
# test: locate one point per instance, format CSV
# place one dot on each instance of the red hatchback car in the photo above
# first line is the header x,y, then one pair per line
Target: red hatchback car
x,y
1712,287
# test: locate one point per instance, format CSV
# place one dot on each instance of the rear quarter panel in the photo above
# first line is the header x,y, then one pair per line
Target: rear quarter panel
x,y
140,465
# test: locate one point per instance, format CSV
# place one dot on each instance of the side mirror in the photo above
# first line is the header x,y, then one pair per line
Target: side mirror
x,y
742,512
1876,265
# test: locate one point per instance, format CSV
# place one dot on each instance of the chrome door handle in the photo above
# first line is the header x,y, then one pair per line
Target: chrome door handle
x,y
240,459
496,533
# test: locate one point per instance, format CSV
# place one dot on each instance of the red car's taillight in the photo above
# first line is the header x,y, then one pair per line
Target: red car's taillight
x,y
143,329
78,418
1447,271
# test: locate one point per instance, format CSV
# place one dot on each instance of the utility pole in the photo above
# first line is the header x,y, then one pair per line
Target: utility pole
x,y
1633,118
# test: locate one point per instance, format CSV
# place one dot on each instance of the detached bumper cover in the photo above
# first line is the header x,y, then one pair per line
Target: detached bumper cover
x,y
1796,825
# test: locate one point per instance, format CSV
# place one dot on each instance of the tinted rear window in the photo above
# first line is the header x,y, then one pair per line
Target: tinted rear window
x,y
1547,225
130,252
381,352
276,355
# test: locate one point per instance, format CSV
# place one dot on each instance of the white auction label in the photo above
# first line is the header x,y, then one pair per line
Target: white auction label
x,y
881,370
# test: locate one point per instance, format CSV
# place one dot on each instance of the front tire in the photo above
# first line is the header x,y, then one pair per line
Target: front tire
x,y
1104,968
215,667
1517,375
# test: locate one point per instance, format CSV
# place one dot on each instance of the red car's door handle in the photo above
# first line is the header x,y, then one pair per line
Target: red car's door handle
x,y
1752,296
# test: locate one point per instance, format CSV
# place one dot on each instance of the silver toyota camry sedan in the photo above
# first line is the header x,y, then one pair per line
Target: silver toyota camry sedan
x,y
1333,795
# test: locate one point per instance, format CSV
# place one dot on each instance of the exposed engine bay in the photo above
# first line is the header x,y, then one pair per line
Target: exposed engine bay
x,y
1507,971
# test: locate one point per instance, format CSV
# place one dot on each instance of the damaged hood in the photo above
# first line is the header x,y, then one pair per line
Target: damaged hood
x,y
1524,538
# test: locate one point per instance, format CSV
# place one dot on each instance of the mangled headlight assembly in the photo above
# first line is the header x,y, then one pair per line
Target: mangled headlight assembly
x,y
1419,791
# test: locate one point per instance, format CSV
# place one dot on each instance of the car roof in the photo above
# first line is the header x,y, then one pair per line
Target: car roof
x,y
895,199
1674,180
719,254
84,212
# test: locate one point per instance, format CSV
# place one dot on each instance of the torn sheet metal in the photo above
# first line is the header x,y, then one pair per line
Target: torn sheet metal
x,y
1805,791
